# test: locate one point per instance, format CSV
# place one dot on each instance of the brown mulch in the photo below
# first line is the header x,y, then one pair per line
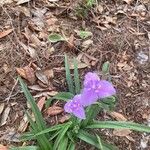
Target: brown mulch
x,y
121,35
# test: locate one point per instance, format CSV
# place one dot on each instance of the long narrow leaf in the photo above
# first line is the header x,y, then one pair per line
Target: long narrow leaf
x,y
71,146
38,116
63,143
76,77
119,125
25,148
100,142
92,140
60,136
42,140
68,76
53,128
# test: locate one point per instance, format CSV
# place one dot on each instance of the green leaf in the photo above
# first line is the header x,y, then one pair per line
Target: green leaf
x,y
56,38
25,148
71,146
92,140
100,142
42,140
91,112
76,77
90,3
61,136
39,123
63,143
105,67
84,34
68,76
53,128
120,125
37,114
65,96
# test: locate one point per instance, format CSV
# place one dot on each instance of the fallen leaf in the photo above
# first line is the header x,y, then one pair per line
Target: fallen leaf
x,y
2,105
5,116
23,124
11,136
49,73
64,118
121,132
100,8
117,116
30,51
3,147
46,94
54,110
42,77
34,39
36,88
128,1
22,2
27,73
41,103
86,44
71,41
5,33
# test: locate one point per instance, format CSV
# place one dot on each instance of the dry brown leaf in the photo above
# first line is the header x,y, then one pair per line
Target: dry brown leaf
x,y
23,124
27,73
86,44
5,33
46,94
36,88
2,105
3,147
64,118
54,110
121,132
49,73
5,116
34,39
41,103
30,51
128,1
71,42
22,2
117,116
42,77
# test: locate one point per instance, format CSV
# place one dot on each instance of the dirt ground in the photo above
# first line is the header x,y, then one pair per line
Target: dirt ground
x,y
120,34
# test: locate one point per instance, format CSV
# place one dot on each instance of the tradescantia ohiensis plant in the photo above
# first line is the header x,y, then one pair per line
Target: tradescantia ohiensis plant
x,y
83,105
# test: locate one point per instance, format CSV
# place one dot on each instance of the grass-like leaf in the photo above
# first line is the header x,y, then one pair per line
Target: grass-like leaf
x,y
119,125
51,129
76,77
68,76
39,123
100,142
92,140
25,148
61,135
42,140
37,114
63,143
71,146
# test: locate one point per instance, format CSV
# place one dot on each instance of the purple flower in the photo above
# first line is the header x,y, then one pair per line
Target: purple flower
x,y
95,89
74,106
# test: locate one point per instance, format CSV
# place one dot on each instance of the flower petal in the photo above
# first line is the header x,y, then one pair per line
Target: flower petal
x,y
90,76
75,107
88,97
106,89
80,113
